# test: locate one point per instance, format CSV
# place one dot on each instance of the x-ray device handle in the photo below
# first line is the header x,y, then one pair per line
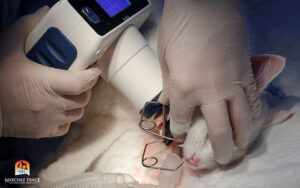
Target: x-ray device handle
x,y
76,33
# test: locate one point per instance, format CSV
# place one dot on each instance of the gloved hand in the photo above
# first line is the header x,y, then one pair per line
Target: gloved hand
x,y
204,55
37,101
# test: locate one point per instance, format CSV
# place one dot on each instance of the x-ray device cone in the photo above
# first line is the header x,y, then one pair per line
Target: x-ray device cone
x,y
75,33
133,68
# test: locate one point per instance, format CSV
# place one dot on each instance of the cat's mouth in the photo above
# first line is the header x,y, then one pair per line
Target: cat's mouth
x,y
177,147
158,124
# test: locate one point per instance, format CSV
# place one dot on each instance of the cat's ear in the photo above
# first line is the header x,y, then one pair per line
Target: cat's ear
x,y
265,68
277,116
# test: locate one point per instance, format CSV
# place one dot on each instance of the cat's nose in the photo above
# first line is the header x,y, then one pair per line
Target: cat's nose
x,y
194,161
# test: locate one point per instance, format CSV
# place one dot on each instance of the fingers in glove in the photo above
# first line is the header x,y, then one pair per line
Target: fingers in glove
x,y
72,82
165,95
180,116
73,115
219,130
68,116
71,102
253,97
241,118
61,130
161,49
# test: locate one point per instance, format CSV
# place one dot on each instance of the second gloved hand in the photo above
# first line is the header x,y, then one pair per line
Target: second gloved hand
x,y
37,101
204,55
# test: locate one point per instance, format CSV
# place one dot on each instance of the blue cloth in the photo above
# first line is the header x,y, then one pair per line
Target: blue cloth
x,y
9,11
274,28
14,9
30,6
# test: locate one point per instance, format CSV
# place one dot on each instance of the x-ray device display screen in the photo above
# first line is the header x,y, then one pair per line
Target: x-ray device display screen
x,y
114,7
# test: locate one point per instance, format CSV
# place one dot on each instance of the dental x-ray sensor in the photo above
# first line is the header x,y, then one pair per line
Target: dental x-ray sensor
x,y
76,33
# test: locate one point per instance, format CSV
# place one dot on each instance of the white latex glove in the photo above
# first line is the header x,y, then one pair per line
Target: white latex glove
x,y
37,101
204,55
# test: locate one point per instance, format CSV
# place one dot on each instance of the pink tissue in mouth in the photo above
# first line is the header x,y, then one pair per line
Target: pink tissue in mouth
x,y
194,161
159,125
159,121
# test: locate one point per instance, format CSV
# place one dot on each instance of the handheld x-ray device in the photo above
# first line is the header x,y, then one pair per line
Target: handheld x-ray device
x,y
76,33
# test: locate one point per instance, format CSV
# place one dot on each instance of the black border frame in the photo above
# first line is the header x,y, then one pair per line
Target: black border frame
x,y
107,23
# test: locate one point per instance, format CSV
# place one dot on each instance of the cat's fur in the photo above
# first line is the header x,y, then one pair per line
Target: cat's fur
x,y
108,139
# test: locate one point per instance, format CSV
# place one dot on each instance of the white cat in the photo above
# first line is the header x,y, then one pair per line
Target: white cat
x,y
108,139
